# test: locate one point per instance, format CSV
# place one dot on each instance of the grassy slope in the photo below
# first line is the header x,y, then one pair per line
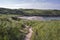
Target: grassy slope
x,y
43,30
40,12
48,30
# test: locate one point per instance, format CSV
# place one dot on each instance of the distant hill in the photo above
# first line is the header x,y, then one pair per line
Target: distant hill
x,y
10,11
30,12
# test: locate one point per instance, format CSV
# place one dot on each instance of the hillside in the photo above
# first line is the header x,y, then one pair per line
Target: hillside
x,y
42,30
30,12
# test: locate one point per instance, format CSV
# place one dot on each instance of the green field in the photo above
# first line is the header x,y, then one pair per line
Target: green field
x,y
42,30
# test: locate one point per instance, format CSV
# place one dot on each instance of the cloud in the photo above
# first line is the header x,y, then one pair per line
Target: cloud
x,y
41,5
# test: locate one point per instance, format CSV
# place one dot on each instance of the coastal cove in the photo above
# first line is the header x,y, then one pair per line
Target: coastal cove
x,y
38,18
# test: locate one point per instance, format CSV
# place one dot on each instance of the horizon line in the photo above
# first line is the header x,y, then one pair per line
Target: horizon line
x,y
31,8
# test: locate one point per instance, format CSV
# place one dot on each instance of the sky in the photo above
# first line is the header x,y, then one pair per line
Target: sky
x,y
30,4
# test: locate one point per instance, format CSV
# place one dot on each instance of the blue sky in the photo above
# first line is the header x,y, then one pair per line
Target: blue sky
x,y
30,4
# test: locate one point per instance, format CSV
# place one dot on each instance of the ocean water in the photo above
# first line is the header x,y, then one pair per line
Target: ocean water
x,y
39,18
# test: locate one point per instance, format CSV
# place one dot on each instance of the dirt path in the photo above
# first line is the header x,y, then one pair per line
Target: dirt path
x,y
29,33
28,36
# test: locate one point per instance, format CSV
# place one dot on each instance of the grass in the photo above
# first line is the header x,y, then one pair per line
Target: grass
x,y
46,30
43,30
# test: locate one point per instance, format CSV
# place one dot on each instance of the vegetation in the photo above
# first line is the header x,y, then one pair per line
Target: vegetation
x,y
9,29
43,30
30,12
48,30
